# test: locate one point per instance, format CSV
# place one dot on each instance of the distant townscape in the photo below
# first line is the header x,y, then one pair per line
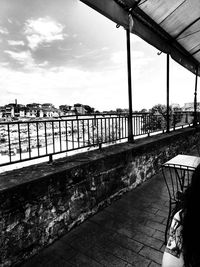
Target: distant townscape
x,y
46,110
15,111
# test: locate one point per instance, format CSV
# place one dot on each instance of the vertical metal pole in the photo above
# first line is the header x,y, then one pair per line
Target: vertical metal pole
x,y
195,100
130,122
168,119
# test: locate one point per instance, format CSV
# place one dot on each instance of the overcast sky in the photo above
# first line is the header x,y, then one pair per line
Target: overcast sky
x,y
64,52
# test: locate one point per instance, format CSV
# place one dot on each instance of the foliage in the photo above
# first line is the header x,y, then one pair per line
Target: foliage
x,y
144,110
157,118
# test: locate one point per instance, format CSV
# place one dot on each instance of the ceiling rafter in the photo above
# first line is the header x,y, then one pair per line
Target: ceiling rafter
x,y
186,28
194,47
189,34
196,52
172,12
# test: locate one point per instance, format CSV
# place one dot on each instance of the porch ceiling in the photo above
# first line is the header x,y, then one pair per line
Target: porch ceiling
x,y
171,26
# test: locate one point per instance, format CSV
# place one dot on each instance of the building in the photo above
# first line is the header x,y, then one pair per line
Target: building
x,y
65,109
176,107
190,106
33,110
49,110
34,105
9,111
2,108
41,110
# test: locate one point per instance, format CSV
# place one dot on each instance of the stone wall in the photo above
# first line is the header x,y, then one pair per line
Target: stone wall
x,y
42,202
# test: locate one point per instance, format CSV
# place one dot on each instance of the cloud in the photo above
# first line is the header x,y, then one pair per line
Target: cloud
x,y
3,30
43,64
10,21
24,58
43,31
62,85
105,90
139,61
12,42
4,64
120,57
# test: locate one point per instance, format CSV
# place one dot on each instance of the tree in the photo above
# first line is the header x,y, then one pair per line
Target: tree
x,y
157,119
144,110
88,109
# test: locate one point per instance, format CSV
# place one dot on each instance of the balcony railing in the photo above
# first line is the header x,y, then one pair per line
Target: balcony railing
x,y
32,139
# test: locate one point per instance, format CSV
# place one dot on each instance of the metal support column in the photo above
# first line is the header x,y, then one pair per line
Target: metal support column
x,y
195,100
168,117
130,121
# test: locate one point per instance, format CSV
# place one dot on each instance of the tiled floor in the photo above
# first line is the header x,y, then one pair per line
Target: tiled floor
x,y
130,232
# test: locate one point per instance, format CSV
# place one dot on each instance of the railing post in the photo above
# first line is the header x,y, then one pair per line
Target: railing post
x,y
119,127
95,120
50,158
130,122
168,119
186,117
195,100
174,121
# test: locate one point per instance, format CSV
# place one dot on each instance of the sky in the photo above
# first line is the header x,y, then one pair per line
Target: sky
x,y
63,52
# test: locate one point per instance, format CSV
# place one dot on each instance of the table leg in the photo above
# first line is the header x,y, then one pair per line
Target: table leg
x,y
168,220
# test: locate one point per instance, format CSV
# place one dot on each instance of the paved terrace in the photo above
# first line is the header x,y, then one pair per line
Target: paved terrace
x,y
130,232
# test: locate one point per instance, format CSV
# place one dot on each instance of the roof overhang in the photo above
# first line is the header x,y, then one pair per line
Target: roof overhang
x,y
162,23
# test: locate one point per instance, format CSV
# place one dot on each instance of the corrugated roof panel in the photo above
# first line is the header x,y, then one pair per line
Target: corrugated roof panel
x,y
190,40
183,16
192,31
172,16
197,56
195,48
160,10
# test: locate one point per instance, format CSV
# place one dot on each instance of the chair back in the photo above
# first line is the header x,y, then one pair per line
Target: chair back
x,y
177,180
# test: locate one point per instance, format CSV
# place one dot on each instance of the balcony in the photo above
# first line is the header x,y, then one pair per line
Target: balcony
x,y
103,207
129,232
64,210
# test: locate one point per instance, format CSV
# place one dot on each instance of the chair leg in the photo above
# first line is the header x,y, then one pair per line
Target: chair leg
x,y
168,219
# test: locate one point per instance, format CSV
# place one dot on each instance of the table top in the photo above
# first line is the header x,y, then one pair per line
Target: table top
x,y
183,162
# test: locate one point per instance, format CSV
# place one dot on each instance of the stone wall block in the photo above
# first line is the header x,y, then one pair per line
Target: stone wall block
x,y
113,161
77,174
79,202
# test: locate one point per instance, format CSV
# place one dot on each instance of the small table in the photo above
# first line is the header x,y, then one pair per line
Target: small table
x,y
178,179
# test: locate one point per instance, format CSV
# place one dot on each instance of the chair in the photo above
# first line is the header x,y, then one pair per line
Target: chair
x,y
177,180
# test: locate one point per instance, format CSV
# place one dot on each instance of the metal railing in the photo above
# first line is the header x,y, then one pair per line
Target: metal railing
x,y
32,139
